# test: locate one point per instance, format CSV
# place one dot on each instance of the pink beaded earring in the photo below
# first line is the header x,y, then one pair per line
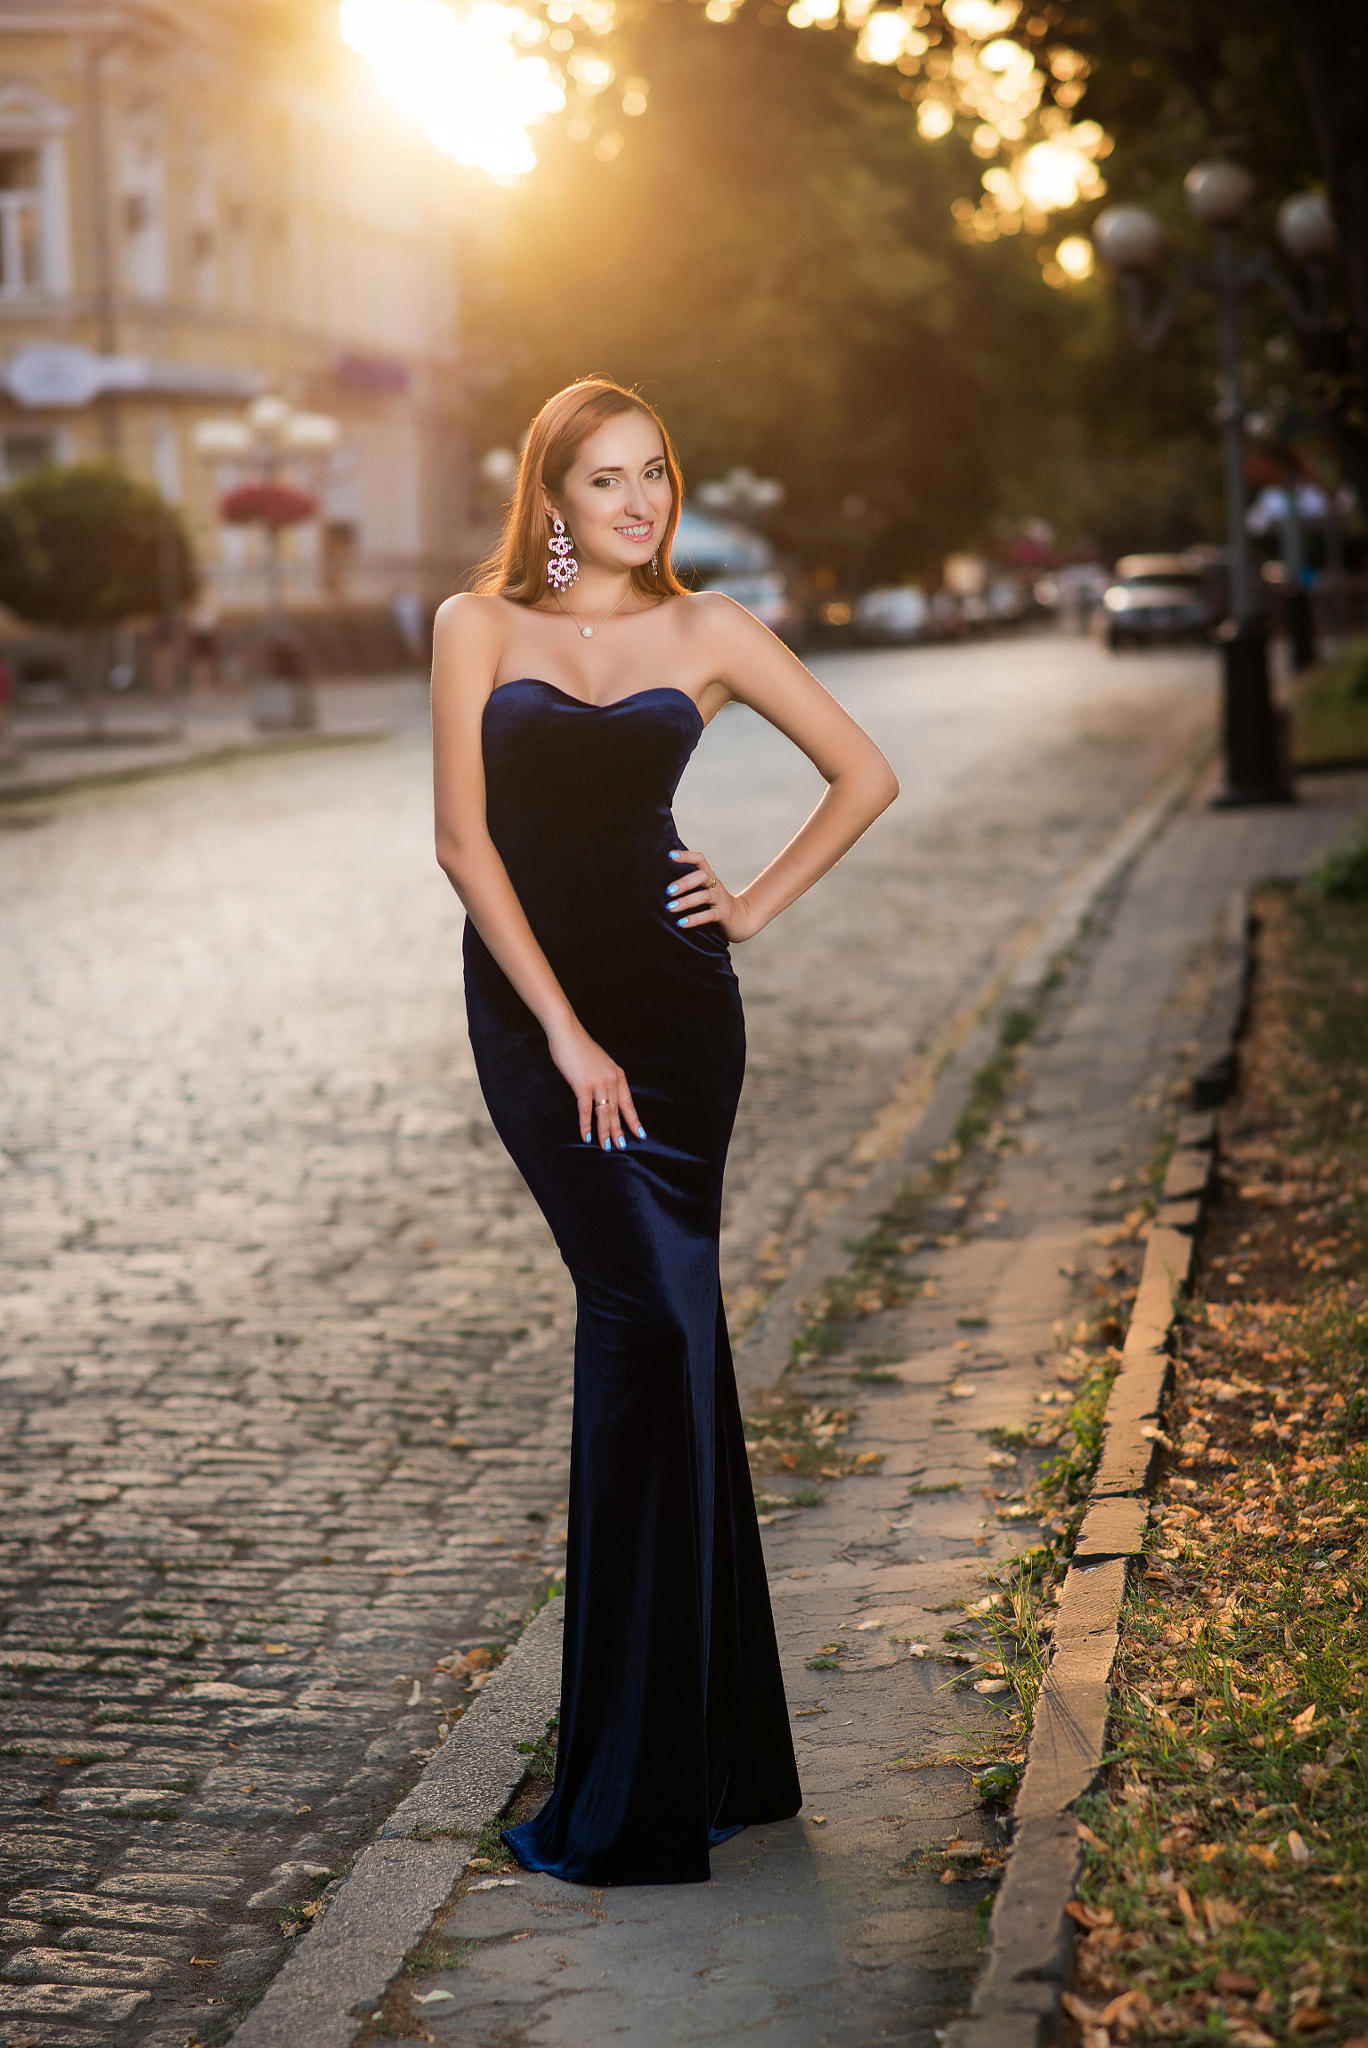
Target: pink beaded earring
x,y
562,570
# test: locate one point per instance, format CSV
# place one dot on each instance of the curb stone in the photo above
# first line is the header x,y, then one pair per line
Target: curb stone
x,y
1028,1966
119,773
341,1968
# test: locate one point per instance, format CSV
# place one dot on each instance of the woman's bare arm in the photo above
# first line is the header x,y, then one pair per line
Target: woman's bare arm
x,y
465,652
757,669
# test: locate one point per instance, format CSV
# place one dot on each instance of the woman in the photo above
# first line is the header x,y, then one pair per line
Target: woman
x,y
568,693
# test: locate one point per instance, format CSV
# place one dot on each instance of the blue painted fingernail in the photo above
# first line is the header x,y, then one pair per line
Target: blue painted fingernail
x,y
588,1137
622,1144
607,1144
674,888
640,1132
681,920
676,856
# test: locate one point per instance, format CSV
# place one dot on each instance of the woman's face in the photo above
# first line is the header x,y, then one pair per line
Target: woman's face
x,y
616,495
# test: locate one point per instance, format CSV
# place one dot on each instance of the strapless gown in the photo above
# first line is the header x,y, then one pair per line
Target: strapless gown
x,y
674,1730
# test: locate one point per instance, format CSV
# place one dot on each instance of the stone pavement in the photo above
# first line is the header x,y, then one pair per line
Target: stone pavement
x,y
839,1929
286,1390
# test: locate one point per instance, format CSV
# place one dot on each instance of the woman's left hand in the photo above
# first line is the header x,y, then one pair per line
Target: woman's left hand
x,y
701,898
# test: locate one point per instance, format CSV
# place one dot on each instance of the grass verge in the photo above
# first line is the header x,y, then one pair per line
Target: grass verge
x,y
1330,715
1225,1896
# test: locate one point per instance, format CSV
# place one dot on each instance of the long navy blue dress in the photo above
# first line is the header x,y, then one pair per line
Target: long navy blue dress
x,y
674,1729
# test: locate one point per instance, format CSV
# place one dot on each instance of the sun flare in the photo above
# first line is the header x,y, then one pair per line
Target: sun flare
x,y
468,77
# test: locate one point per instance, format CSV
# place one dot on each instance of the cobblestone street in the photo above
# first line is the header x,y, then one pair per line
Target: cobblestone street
x,y
286,1371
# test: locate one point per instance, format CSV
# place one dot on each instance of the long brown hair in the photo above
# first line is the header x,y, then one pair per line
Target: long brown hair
x,y
517,568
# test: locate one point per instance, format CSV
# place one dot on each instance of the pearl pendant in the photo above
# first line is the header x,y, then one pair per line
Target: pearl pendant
x,y
586,632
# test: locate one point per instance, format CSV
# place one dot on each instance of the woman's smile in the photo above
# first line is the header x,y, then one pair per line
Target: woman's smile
x,y
642,530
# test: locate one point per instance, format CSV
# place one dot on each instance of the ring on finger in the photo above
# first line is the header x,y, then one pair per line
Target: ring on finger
x,y
602,1101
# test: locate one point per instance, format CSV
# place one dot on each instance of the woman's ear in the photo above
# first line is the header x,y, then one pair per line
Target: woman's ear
x,y
549,505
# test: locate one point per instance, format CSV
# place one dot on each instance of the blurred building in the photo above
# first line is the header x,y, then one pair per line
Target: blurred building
x,y
202,200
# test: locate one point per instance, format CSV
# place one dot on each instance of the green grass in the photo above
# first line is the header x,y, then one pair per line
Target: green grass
x,y
1225,1895
1330,715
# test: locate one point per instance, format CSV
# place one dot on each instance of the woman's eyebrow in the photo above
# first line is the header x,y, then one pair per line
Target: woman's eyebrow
x,y
618,468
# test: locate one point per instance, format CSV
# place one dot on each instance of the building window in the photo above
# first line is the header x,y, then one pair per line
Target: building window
x,y
35,244
21,222
143,206
24,453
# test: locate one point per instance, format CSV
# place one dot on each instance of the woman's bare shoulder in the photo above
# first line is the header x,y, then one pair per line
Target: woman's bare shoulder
x,y
712,615
472,614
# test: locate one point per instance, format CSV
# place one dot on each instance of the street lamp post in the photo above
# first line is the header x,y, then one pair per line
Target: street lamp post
x,y
270,438
1132,240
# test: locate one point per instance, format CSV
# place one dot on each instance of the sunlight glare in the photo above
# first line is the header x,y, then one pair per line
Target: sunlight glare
x,y
463,77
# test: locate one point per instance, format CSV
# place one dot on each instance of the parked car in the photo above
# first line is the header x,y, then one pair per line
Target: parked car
x,y
895,612
767,597
1153,598
711,553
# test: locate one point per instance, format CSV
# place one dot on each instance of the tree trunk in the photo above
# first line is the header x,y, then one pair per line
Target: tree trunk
x,y
1333,35
94,669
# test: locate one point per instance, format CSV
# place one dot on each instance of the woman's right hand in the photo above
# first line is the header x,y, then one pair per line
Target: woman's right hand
x,y
602,1097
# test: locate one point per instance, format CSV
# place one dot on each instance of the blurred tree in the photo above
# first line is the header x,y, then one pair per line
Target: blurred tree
x,y
86,548
773,255
775,262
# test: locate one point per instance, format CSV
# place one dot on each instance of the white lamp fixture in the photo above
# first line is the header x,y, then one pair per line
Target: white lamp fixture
x,y
1128,237
221,440
310,433
1306,227
1218,192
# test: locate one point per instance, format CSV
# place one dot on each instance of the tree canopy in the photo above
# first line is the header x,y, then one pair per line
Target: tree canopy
x,y
805,282
87,546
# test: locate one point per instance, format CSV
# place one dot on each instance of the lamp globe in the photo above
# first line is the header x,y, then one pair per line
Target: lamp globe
x,y
1306,227
1128,237
1218,192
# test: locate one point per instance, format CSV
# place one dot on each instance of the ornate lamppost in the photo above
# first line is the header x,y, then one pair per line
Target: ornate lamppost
x,y
270,439
1132,240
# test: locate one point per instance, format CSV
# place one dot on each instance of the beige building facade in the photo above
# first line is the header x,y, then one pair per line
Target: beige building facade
x,y
206,200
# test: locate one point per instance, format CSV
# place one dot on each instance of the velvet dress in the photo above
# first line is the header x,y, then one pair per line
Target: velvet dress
x,y
674,1729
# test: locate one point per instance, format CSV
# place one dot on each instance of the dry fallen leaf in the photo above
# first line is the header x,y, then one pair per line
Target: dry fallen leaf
x,y
1302,1722
1189,1913
1296,1847
1090,1916
433,1997
1085,1834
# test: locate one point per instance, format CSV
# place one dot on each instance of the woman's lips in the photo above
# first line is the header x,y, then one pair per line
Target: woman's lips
x,y
642,532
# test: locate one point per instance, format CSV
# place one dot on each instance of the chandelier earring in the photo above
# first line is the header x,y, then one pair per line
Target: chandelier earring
x,y
562,570
655,563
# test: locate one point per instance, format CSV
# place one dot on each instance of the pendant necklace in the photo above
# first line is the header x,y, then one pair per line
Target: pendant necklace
x,y
588,632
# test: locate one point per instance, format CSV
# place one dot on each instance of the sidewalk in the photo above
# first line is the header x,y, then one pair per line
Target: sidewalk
x,y
154,736
859,1922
